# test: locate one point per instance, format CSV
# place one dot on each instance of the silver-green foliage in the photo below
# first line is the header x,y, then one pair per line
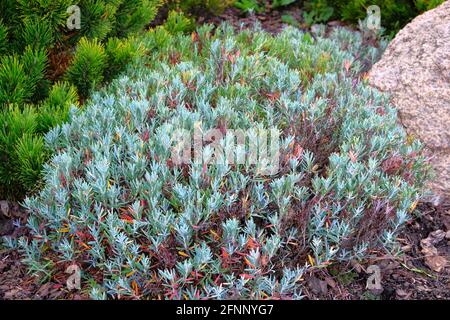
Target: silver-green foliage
x,y
113,202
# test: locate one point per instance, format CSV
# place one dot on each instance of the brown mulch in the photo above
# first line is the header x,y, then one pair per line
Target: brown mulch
x,y
402,278
270,21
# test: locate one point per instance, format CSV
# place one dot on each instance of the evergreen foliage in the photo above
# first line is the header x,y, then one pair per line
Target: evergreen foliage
x,y
134,15
37,52
3,38
179,22
12,80
118,54
55,109
88,64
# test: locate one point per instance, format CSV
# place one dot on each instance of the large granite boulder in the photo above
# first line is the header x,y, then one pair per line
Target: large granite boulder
x,y
415,69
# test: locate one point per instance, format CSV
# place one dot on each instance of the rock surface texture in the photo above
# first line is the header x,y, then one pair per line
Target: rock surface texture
x,y
415,69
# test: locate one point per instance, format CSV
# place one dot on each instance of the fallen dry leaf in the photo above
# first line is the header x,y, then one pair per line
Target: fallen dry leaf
x,y
436,263
432,258
330,282
318,286
403,294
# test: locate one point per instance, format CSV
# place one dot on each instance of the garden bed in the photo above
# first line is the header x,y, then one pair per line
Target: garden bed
x,y
404,278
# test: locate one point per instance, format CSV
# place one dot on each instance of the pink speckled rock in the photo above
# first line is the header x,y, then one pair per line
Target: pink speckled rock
x,y
415,69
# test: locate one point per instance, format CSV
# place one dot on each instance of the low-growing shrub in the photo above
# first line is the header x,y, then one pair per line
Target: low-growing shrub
x,y
86,71
140,225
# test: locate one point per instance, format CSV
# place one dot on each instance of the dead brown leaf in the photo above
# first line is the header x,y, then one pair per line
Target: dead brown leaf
x,y
432,258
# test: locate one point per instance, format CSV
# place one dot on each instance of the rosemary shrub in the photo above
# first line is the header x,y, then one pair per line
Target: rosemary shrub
x,y
139,226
